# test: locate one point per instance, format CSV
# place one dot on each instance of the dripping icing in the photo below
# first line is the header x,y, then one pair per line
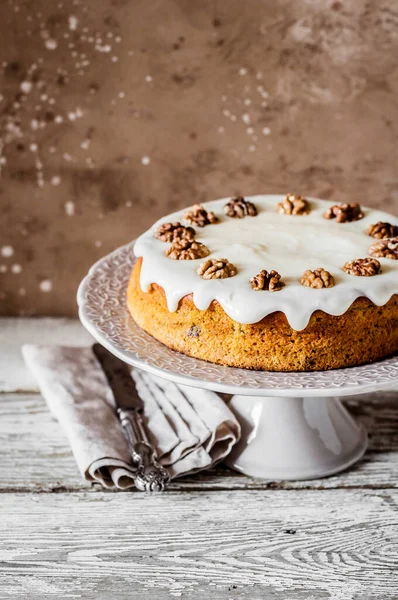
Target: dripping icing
x,y
288,244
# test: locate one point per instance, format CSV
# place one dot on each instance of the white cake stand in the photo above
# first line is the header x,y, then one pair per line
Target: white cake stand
x,y
294,425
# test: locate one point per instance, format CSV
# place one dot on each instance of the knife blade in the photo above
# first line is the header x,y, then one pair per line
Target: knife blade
x,y
119,379
150,475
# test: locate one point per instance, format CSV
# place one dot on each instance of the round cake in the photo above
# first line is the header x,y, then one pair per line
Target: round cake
x,y
278,283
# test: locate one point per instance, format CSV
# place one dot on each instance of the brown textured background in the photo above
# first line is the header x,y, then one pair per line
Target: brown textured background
x,y
115,112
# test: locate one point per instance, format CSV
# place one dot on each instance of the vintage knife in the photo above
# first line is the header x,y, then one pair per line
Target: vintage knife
x,y
150,476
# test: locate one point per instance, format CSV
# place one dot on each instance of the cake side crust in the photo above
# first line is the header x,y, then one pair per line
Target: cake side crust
x,y
363,334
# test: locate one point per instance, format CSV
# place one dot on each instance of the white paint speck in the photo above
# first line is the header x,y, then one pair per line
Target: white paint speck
x,y
26,87
114,59
247,102
55,180
33,147
263,93
243,71
58,119
70,208
3,268
121,94
266,131
85,145
246,118
46,285
34,124
7,251
67,156
106,48
51,44
148,78
75,114
16,269
98,244
145,160
252,148
22,292
250,131
72,22
221,129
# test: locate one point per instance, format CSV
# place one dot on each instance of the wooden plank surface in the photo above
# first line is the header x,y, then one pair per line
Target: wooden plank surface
x,y
253,545
216,535
14,376
35,455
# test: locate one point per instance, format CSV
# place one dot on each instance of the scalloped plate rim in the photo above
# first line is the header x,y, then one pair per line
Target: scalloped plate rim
x,y
292,388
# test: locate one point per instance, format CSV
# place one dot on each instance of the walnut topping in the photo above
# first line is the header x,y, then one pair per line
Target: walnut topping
x,y
200,216
171,232
293,205
382,230
385,249
187,250
317,279
363,267
343,213
239,207
265,280
216,268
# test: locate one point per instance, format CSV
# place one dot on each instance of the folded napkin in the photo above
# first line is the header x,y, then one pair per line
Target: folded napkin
x,y
191,429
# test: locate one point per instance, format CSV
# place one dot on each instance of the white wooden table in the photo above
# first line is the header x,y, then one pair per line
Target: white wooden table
x,y
215,535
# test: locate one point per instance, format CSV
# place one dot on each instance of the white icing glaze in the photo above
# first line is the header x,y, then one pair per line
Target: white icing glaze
x,y
288,244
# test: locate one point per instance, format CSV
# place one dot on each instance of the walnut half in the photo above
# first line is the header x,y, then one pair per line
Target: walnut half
x,y
385,249
171,232
293,205
317,279
265,280
344,213
239,207
382,230
200,216
217,268
363,267
187,250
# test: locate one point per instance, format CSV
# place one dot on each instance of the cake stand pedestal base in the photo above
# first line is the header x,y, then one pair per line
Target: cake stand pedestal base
x,y
295,437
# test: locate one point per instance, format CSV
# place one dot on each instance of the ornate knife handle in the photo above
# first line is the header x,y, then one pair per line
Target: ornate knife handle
x,y
150,475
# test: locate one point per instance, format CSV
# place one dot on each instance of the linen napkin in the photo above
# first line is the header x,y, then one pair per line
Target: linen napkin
x,y
192,429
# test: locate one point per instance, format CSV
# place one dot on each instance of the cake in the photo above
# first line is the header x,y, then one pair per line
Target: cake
x,y
270,283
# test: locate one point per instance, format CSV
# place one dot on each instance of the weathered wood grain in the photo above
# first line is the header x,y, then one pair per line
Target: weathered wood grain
x,y
340,544
14,376
34,454
214,535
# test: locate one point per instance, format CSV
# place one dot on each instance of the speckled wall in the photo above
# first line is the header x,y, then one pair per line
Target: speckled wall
x,y
114,112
